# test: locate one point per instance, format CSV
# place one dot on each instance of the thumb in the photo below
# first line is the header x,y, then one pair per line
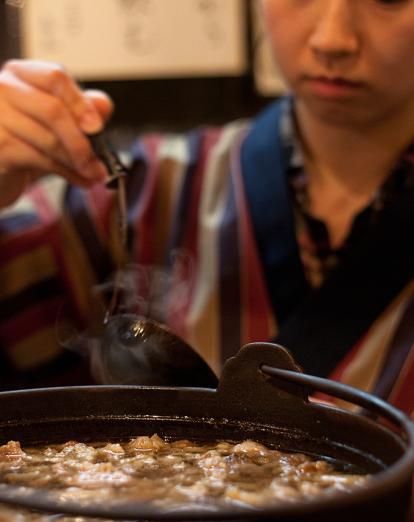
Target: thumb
x,y
102,103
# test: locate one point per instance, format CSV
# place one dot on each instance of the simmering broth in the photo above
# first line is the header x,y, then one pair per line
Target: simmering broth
x,y
170,474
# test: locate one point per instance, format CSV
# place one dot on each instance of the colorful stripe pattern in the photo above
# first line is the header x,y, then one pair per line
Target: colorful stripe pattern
x,y
194,264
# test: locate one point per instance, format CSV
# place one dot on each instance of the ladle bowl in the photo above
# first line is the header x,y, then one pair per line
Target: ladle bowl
x,y
137,350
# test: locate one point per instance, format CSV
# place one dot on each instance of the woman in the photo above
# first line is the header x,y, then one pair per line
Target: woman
x,y
292,227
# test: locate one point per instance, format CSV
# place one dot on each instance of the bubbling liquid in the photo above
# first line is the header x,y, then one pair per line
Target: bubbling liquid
x,y
169,474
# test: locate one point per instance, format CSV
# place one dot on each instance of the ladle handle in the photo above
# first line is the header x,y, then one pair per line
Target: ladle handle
x,y
107,154
117,173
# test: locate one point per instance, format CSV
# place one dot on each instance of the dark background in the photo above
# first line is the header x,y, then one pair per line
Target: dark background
x,y
167,104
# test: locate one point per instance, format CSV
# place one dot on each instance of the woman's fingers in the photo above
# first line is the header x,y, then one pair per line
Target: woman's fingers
x,y
53,114
17,156
28,130
52,79
44,116
102,102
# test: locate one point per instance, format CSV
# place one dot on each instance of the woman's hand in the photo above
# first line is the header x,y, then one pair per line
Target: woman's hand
x,y
44,116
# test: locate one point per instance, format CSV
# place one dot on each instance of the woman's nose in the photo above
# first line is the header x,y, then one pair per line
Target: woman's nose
x,y
335,34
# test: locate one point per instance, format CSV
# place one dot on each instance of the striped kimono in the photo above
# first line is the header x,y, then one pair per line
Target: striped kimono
x,y
212,253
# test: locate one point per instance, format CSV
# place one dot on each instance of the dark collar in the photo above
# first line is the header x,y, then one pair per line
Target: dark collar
x,y
321,326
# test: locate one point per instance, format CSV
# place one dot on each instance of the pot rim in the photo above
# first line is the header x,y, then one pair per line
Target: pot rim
x,y
383,482
236,399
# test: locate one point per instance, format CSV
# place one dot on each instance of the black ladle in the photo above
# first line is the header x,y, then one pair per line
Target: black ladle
x,y
133,349
137,350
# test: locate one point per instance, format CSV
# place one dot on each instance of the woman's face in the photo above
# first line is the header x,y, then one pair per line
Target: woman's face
x,y
350,61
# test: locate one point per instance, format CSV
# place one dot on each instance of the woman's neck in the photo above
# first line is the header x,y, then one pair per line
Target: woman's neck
x,y
359,158
347,164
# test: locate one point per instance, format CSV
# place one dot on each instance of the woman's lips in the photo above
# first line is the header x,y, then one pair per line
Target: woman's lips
x,y
332,87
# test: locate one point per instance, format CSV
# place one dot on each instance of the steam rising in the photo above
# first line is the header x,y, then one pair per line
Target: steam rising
x,y
157,293
119,351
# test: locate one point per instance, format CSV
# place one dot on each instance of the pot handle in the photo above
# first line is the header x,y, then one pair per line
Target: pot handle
x,y
266,374
370,402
